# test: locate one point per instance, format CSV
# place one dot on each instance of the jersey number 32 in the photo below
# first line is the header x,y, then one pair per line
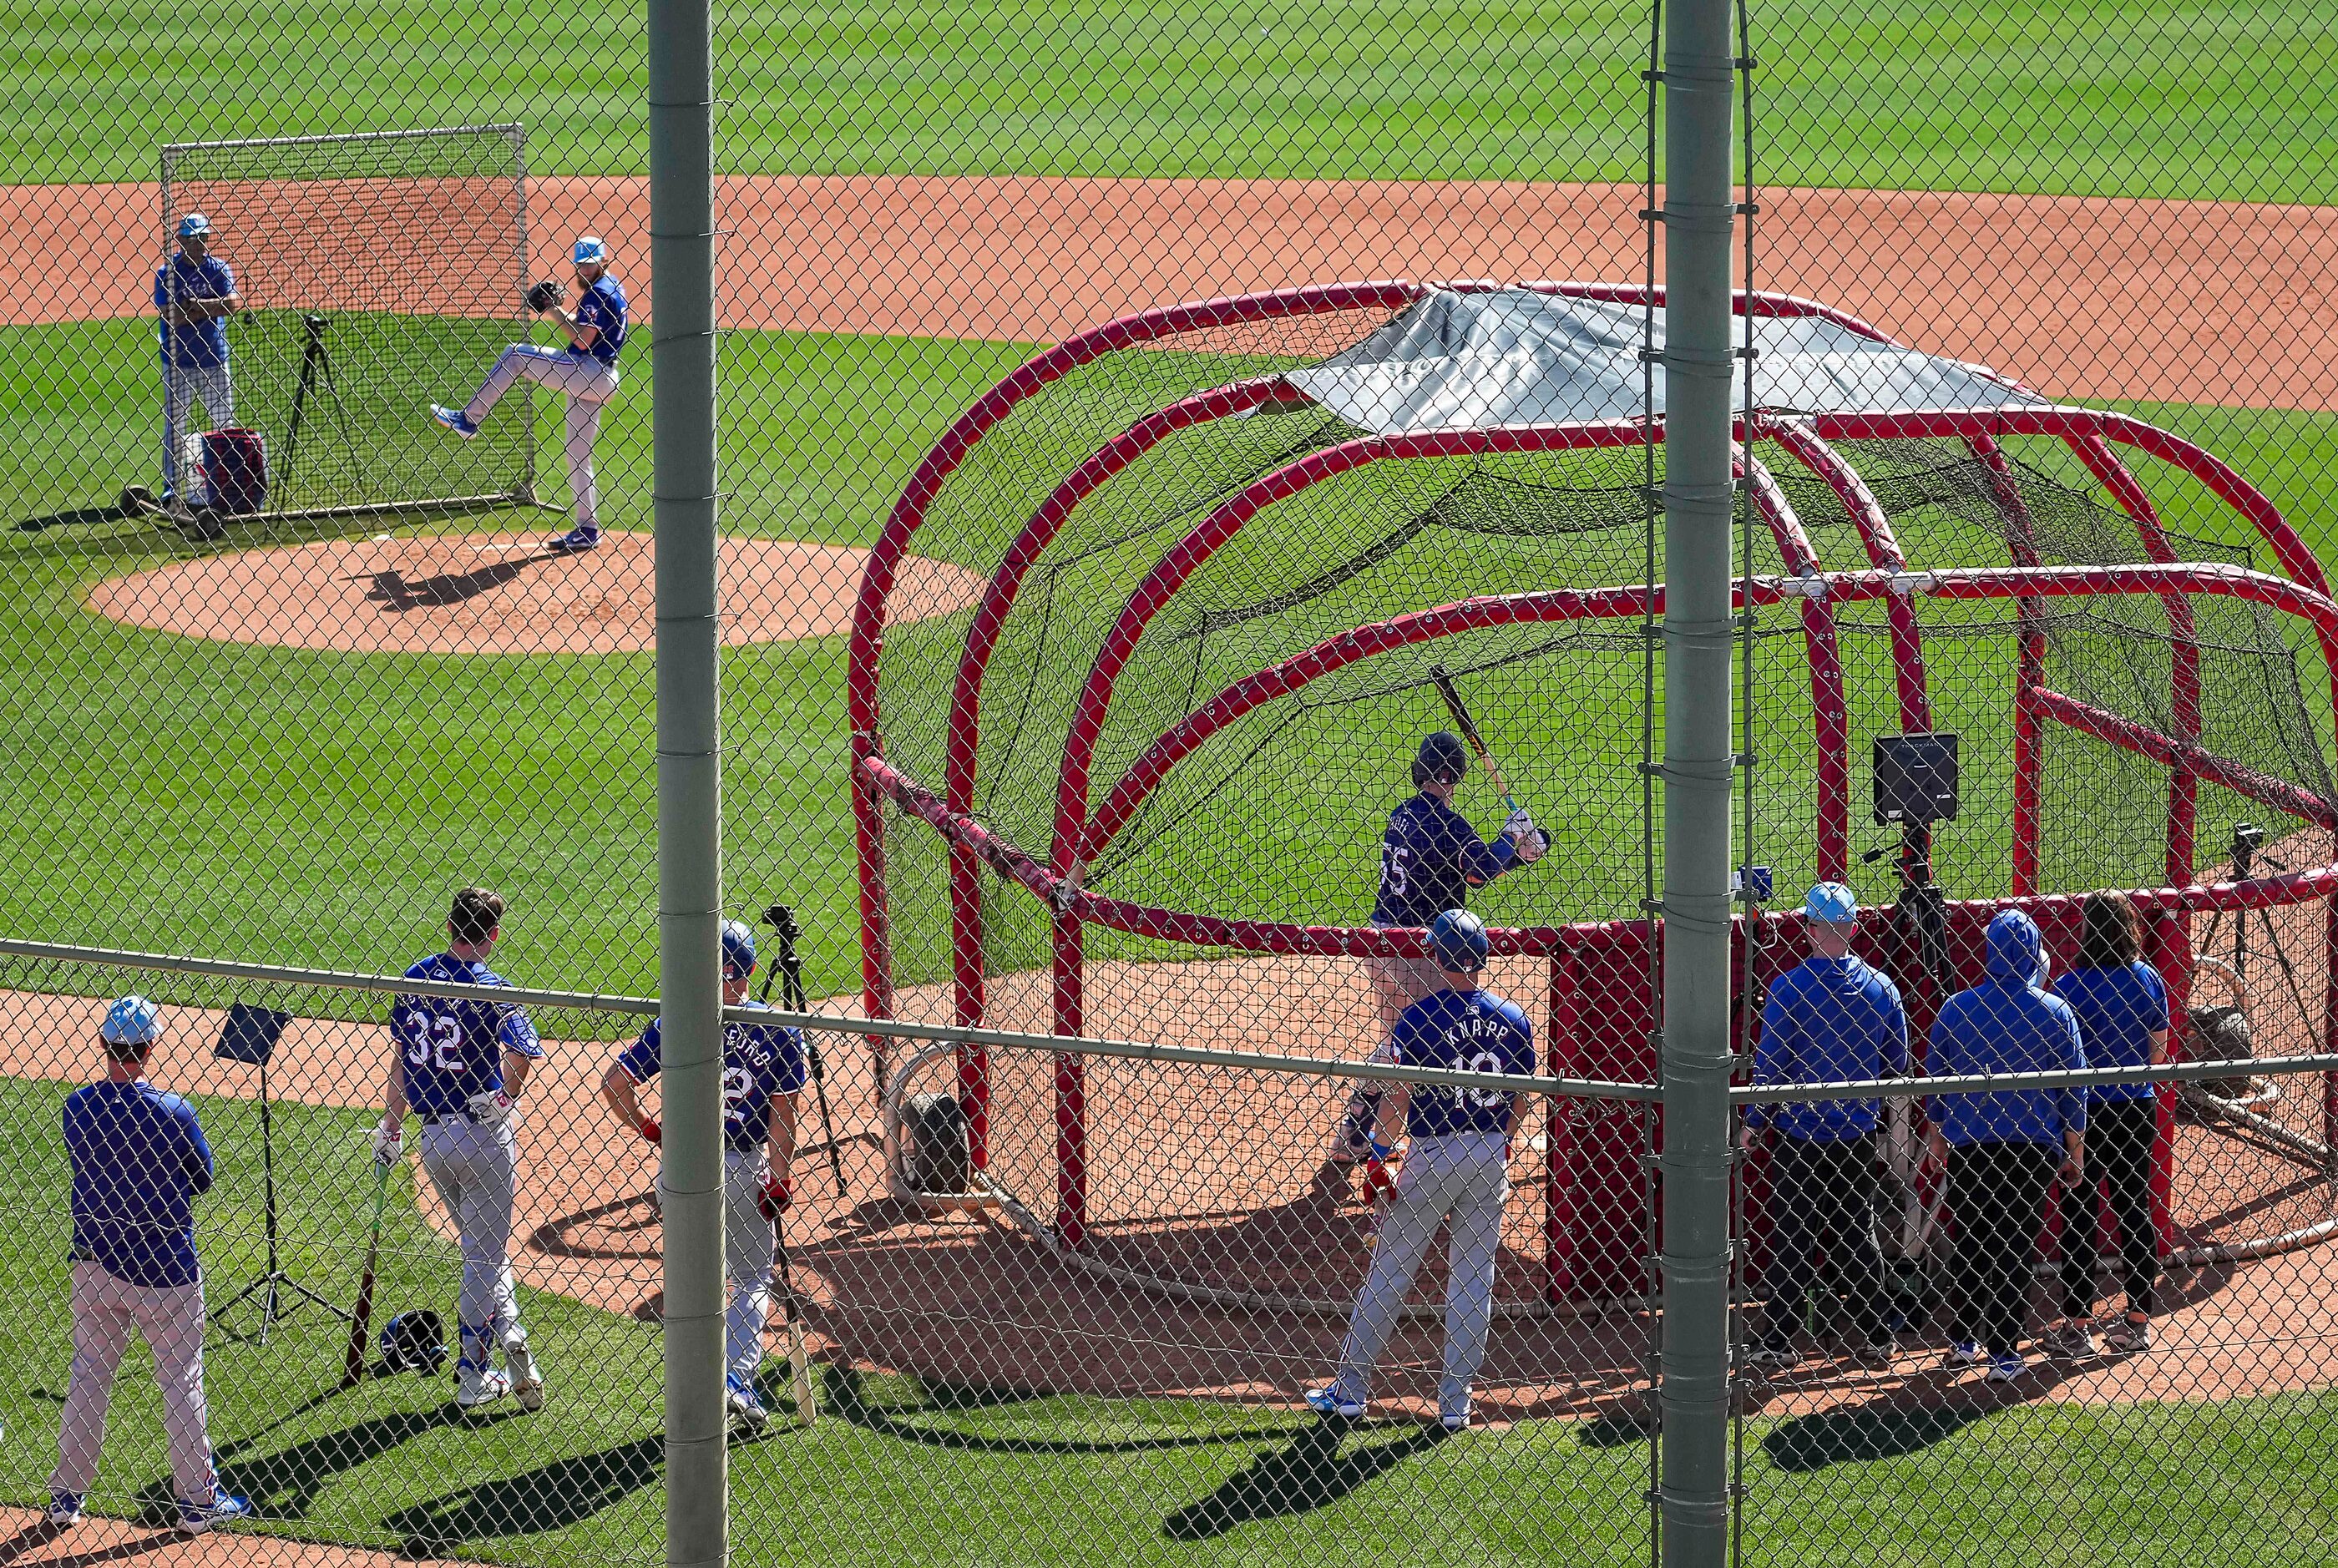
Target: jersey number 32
x,y
434,1040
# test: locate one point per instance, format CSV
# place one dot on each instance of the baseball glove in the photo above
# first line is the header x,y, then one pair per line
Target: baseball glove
x,y
542,296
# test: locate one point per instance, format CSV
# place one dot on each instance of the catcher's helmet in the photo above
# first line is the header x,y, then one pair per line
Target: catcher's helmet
x,y
1441,760
414,1342
1458,942
738,950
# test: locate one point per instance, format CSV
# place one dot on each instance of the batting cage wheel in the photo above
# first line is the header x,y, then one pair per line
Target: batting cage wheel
x,y
1233,549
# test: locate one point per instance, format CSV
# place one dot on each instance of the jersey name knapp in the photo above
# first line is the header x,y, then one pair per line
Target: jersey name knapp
x,y
759,1061
1472,1031
1430,859
602,306
455,1048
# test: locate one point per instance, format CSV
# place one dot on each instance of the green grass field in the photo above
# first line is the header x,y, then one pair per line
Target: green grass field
x,y
2162,98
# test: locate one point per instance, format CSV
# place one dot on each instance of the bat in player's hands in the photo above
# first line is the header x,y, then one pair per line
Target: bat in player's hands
x,y
1530,841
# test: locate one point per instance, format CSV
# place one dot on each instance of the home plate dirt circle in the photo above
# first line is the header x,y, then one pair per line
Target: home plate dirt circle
x,y
505,593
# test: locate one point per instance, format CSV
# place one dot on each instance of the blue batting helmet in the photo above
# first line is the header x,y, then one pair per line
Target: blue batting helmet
x,y
131,1021
1458,942
414,1342
738,950
1441,759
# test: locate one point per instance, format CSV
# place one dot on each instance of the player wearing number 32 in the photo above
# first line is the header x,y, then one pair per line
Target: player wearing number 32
x,y
762,1071
1455,1173
461,1065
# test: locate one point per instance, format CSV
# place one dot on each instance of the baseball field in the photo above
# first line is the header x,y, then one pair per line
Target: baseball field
x,y
214,789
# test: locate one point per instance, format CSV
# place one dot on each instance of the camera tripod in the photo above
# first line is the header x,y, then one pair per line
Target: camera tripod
x,y
316,379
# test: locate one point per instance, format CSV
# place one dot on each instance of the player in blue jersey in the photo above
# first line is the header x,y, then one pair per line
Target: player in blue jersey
x,y
1455,1173
461,1066
762,1070
584,371
1430,859
140,1161
194,294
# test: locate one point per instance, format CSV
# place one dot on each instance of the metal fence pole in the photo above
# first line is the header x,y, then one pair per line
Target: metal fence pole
x,y
689,774
1699,221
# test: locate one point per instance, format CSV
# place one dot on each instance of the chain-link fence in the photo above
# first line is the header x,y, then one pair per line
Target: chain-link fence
x,y
1197,494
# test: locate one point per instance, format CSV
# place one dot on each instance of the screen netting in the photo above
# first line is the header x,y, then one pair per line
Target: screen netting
x,y
379,271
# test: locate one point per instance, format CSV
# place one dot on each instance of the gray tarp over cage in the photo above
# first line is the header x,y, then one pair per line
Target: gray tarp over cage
x,y
1475,361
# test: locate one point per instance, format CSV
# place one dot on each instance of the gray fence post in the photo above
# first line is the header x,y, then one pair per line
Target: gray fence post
x,y
1699,220
689,772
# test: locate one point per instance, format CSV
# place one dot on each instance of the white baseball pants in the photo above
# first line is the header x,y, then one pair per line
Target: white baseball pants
x,y
104,1310
476,1168
747,1251
1463,1180
585,381
183,387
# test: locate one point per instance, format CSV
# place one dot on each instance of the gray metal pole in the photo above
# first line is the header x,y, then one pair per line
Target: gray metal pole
x,y
689,774
1699,220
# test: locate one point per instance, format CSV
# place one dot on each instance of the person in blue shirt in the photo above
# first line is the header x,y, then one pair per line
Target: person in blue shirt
x,y
461,1066
2001,1150
1430,859
584,371
1832,1019
2121,1004
140,1161
1455,1173
194,294
762,1071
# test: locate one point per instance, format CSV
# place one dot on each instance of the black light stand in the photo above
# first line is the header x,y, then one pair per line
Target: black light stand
x,y
789,967
250,1036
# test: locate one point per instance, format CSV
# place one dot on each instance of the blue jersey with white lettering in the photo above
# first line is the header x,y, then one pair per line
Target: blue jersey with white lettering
x,y
1473,1032
1430,859
454,1050
139,1163
602,305
759,1061
195,345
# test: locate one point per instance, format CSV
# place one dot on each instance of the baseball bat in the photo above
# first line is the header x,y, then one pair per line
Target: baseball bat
x,y
799,1359
353,1367
1445,690
792,996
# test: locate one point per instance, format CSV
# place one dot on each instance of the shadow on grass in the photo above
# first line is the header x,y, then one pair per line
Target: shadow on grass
x,y
282,1485
549,1497
842,1394
1806,1442
1306,1474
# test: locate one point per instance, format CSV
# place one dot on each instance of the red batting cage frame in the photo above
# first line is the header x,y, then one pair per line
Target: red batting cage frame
x,y
1599,973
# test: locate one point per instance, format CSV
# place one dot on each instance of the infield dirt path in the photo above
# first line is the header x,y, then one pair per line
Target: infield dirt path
x,y
2082,298
26,1538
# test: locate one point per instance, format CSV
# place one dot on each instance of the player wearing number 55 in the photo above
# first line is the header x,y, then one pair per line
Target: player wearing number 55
x,y
584,369
461,1066
194,293
140,1161
762,1071
1455,1173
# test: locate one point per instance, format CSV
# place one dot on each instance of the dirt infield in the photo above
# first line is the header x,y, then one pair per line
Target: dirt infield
x,y
501,593
26,1538
2083,298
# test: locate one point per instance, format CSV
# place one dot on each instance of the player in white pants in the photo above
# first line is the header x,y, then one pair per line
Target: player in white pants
x,y
584,372
763,1072
1455,1173
194,293
139,1161
461,1065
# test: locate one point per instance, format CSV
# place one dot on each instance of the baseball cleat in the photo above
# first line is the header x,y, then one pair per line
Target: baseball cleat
x,y
527,1379
1878,1355
740,1396
455,419
1332,1402
2006,1368
1455,1421
1967,1353
477,1387
575,541
1773,1354
194,1518
65,1510
2071,1341
2128,1335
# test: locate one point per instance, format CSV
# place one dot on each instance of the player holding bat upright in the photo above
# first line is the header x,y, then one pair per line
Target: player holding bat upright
x,y
1430,859
585,371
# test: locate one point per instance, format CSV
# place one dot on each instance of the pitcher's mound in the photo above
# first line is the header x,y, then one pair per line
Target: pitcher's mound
x,y
503,594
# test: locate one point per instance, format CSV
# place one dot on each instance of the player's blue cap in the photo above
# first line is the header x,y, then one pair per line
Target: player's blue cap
x,y
589,252
738,950
131,1021
1832,904
1441,757
194,225
1458,942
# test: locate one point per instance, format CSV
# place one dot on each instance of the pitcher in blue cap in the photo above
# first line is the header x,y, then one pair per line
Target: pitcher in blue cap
x,y
1828,1019
584,371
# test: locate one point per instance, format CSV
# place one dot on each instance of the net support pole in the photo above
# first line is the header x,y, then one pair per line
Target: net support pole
x,y
1700,221
688,773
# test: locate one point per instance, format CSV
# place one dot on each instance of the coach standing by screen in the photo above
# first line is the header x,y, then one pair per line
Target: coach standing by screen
x,y
139,1162
1831,1019
194,293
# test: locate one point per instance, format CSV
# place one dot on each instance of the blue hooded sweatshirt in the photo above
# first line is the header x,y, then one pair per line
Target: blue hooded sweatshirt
x,y
2008,1024
1828,1021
